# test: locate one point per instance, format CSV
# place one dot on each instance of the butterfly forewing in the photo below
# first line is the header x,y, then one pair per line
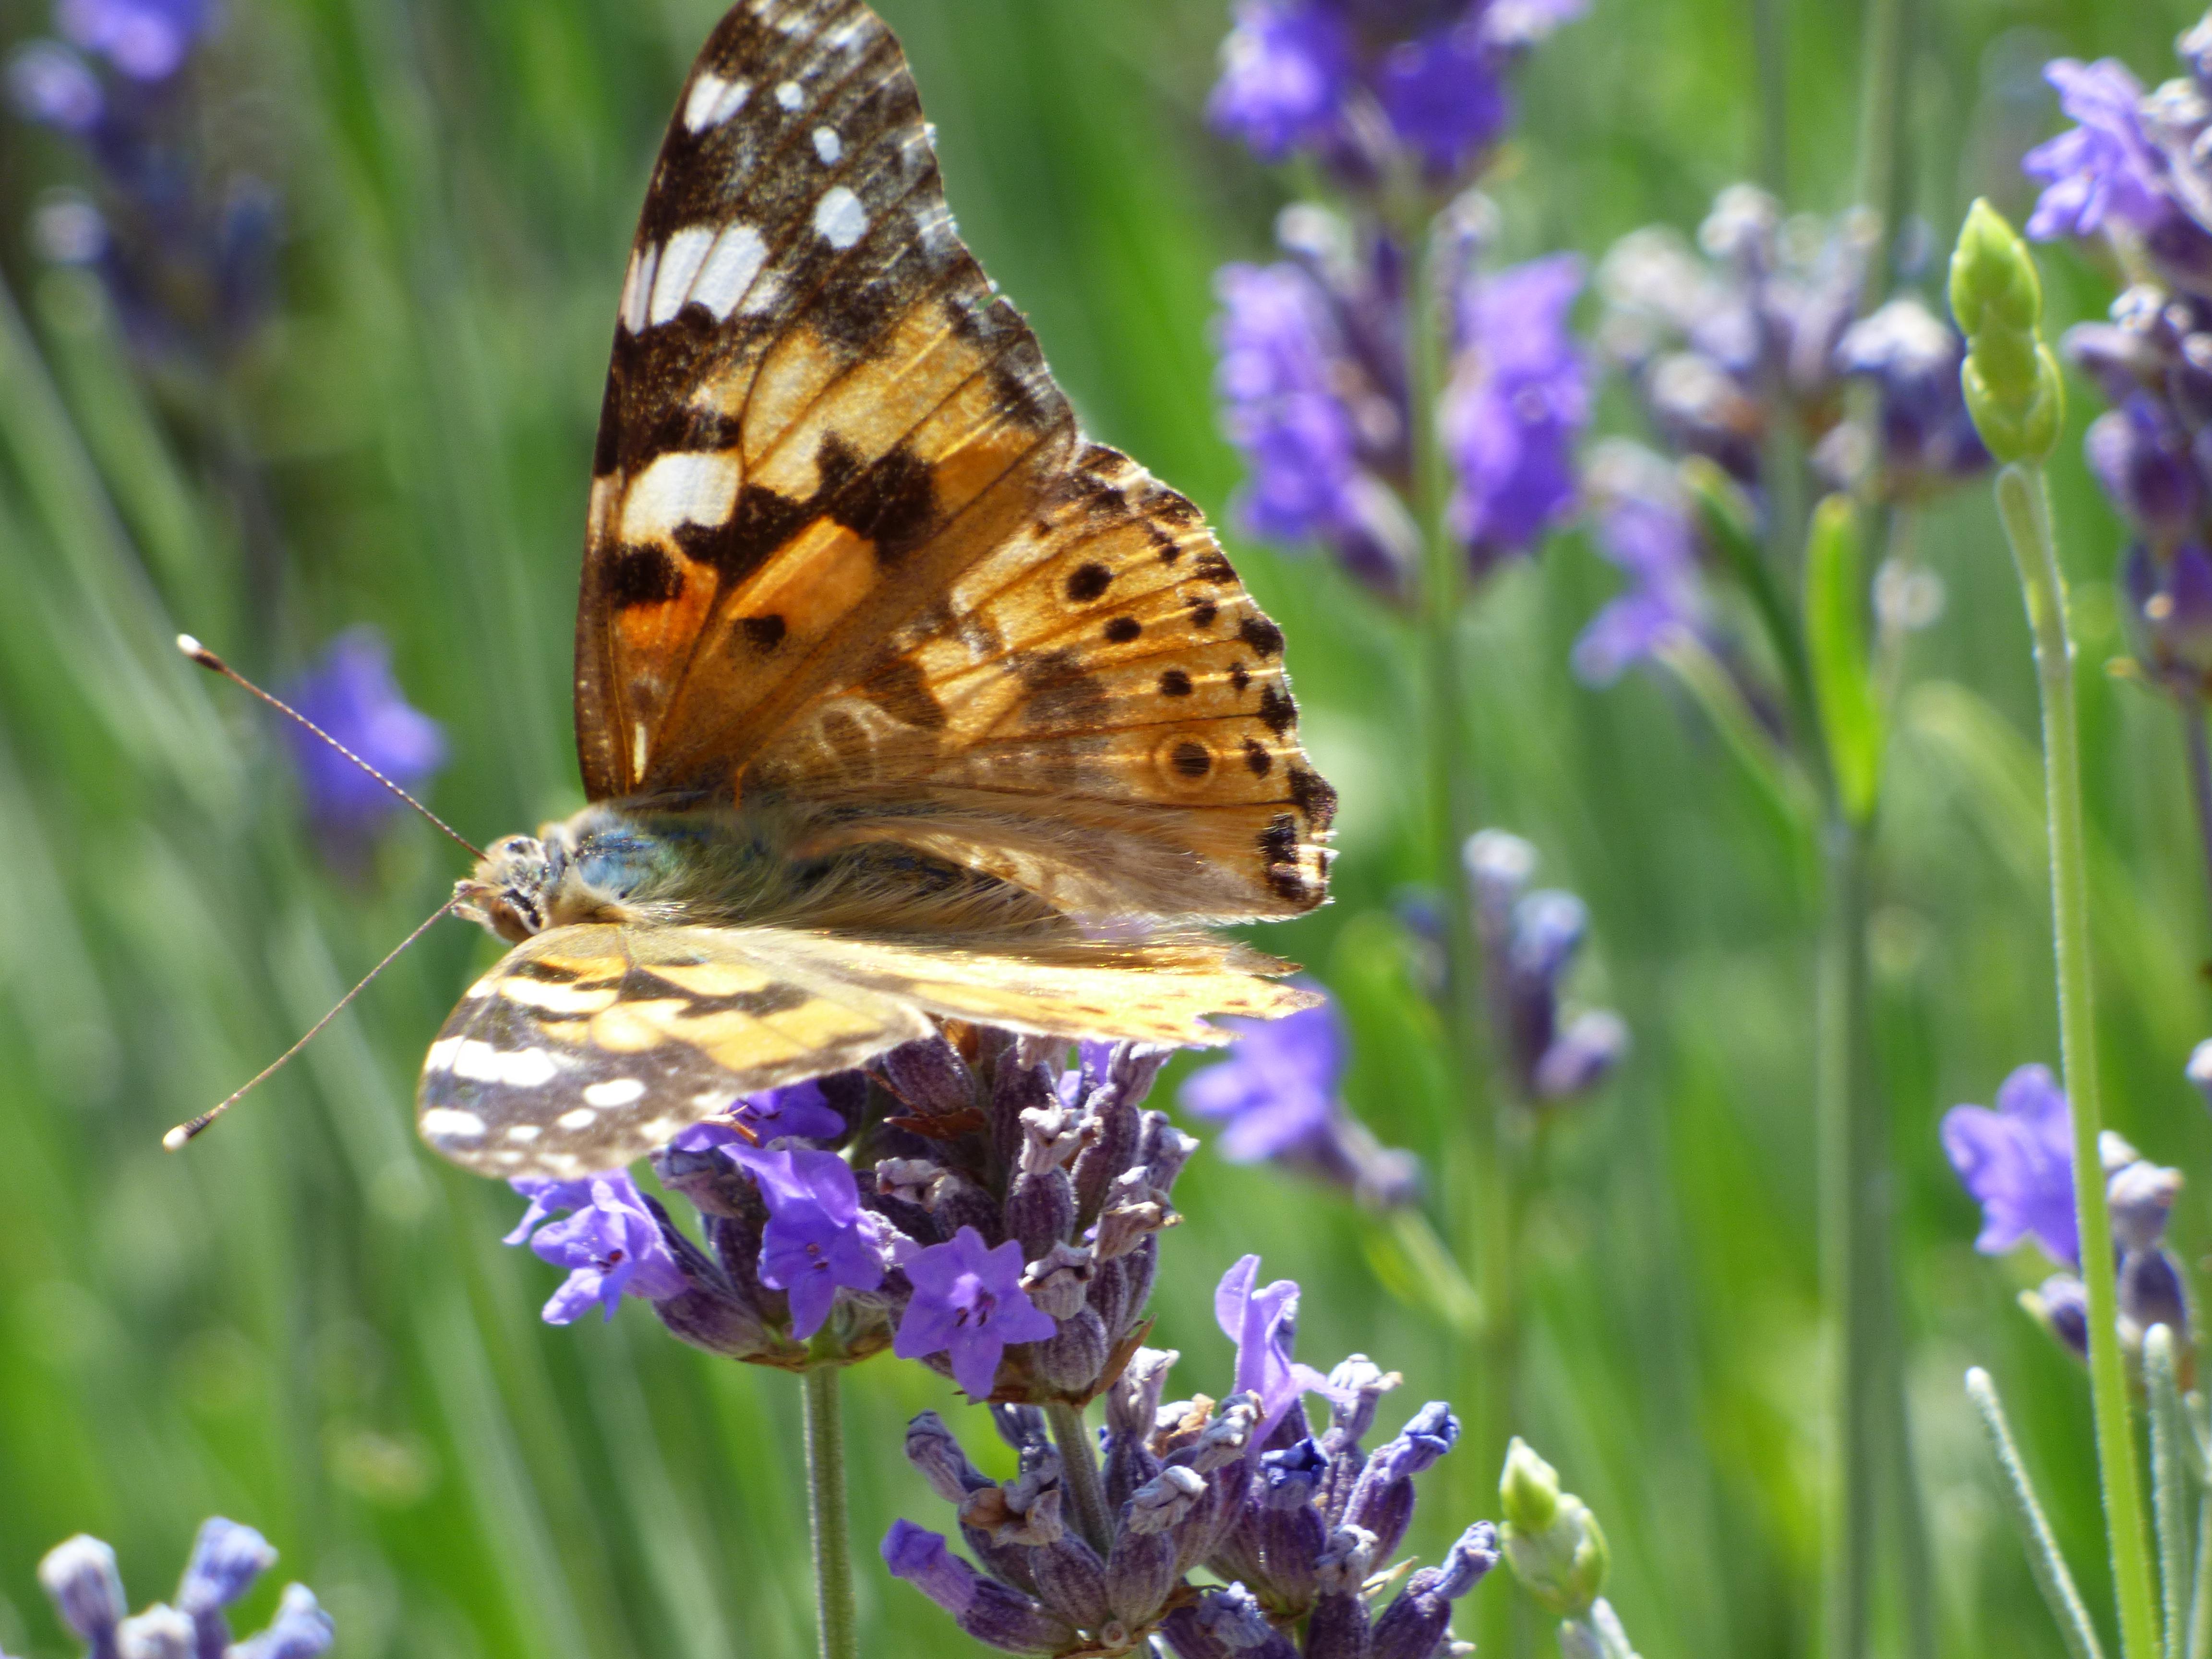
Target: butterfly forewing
x,y
846,541
587,1047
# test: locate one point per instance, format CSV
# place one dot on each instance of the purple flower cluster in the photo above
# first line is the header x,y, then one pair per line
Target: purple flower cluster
x,y
185,247
2136,171
80,1576
2017,1163
1643,527
1371,87
1005,1235
1291,1525
1529,941
1279,1097
351,694
1518,404
1313,381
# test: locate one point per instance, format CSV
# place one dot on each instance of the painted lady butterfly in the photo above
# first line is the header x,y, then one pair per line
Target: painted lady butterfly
x,y
897,699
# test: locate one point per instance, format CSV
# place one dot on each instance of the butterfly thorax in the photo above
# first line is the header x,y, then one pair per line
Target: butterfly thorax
x,y
644,862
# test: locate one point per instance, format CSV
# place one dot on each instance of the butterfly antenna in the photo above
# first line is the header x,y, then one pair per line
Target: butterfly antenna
x,y
208,660
176,1139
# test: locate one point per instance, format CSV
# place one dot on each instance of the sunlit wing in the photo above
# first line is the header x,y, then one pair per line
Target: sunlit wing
x,y
587,1047
847,542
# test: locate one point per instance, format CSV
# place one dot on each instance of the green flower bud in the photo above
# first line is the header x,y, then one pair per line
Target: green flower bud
x,y
2010,378
1551,1540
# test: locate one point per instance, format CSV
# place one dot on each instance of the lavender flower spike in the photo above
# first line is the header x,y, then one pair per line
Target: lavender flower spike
x,y
967,1304
1516,407
80,1574
2106,167
2017,1163
227,1558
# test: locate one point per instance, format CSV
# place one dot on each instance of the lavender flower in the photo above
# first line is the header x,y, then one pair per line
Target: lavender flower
x,y
1644,528
1366,86
611,1243
1517,405
1922,439
184,247
968,1304
351,694
1312,383
2017,1161
2110,174
79,1575
1279,1096
1529,941
1293,1526
815,1241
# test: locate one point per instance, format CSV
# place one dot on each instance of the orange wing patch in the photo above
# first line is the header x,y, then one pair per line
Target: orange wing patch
x,y
846,543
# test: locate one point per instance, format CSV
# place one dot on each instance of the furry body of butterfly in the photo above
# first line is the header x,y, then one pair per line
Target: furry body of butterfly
x,y
898,700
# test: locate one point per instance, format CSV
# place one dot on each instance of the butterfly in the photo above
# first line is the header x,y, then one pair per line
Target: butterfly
x,y
897,700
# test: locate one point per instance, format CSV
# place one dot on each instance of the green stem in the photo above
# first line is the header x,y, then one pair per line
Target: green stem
x,y
827,1524
1079,1470
1478,1173
1770,46
2044,1559
2200,1590
2170,1484
2023,502
1853,1221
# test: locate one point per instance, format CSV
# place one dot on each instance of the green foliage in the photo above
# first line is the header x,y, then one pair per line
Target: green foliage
x,y
2012,383
308,1323
1835,638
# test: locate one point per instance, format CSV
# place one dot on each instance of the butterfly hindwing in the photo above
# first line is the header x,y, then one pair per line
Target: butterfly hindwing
x,y
846,541
587,1046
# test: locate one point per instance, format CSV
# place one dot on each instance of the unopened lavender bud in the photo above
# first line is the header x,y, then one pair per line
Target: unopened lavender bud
x,y
2141,1198
924,1560
80,1574
1345,1561
2010,378
1051,1137
911,1179
932,1449
2151,1293
1499,866
1234,1617
1133,1402
1058,1281
1223,1441
2061,1305
1356,1387
1582,1056
929,1077
2200,1070
160,1632
1552,1540
301,1629
227,1558
1413,1626
1163,1501
1165,1151
1069,1361
2114,1153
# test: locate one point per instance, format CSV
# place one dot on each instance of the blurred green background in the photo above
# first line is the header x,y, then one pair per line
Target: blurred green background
x,y
309,1324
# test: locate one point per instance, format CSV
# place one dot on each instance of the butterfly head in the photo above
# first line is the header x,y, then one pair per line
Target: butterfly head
x,y
509,892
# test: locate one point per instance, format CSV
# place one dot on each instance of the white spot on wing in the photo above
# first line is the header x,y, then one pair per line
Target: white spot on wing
x,y
441,1057
524,1133
735,259
679,263
764,294
639,745
685,486
829,146
522,1068
840,217
637,285
713,100
789,95
445,1124
713,1100
614,1092
482,987
581,1118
